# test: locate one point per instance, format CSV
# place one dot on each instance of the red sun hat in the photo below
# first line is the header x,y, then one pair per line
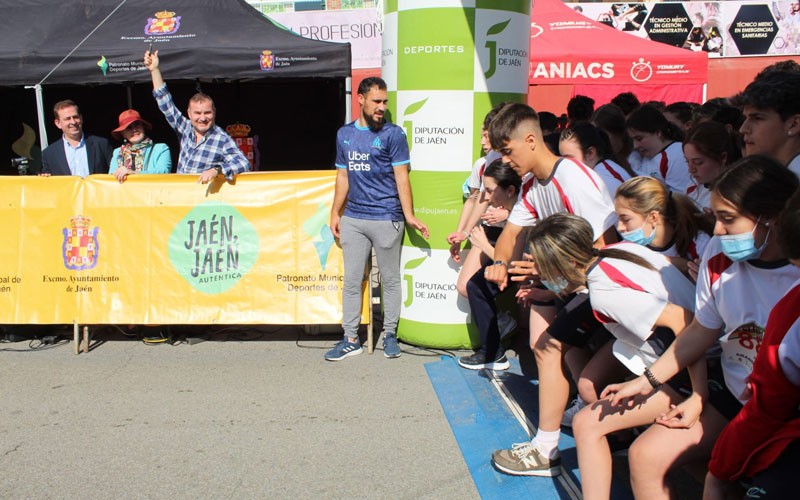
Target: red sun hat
x,y
125,119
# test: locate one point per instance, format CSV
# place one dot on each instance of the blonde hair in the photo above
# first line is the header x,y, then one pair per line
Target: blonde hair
x,y
563,245
646,194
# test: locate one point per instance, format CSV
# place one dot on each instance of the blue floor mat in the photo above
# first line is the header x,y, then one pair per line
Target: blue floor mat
x,y
482,422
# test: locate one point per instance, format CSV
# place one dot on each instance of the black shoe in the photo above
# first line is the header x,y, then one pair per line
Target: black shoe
x,y
477,361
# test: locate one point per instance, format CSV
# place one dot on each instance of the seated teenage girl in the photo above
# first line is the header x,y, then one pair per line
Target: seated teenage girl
x,y
742,275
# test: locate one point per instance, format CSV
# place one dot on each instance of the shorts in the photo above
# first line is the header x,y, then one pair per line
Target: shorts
x,y
777,480
492,233
719,397
638,357
575,323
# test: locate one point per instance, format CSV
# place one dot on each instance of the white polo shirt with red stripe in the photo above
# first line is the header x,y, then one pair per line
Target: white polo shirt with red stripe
x,y
669,166
475,180
612,174
736,298
700,195
629,298
695,250
572,188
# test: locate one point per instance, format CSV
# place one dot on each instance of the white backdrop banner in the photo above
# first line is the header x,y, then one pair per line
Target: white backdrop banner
x,y
361,27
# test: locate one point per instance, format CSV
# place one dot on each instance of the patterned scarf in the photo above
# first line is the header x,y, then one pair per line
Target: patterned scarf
x,y
131,156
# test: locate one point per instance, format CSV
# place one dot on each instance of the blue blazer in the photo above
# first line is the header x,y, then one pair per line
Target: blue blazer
x,y
98,151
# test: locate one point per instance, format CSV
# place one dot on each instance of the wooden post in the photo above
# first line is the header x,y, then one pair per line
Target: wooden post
x,y
76,340
370,343
85,341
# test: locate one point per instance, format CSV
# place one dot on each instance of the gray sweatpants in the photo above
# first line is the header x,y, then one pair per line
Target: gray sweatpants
x,y
358,237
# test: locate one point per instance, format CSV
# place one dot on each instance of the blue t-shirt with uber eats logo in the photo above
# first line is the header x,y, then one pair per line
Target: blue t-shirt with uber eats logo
x,y
370,157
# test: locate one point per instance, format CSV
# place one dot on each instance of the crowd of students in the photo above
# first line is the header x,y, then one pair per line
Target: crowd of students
x,y
654,249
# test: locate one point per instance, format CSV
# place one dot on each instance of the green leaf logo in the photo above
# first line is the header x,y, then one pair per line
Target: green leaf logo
x,y
414,107
498,28
413,264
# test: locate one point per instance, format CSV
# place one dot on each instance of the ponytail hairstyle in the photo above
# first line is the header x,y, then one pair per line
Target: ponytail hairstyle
x,y
588,136
714,140
649,119
504,175
563,245
757,186
646,194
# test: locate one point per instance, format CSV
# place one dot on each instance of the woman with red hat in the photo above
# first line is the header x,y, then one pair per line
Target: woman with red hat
x,y
138,153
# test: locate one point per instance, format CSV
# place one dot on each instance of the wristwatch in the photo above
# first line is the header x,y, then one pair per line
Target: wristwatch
x,y
499,263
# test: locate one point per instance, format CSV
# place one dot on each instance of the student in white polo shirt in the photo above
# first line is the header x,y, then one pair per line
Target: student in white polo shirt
x,y
708,148
639,296
551,184
476,209
666,222
761,445
743,274
586,143
658,150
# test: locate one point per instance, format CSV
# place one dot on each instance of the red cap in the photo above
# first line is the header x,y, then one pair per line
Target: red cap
x,y
125,119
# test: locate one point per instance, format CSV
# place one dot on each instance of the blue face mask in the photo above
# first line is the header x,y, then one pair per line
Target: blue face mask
x,y
637,236
557,286
738,247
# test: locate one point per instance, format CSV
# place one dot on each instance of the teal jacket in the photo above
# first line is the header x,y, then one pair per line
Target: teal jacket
x,y
157,160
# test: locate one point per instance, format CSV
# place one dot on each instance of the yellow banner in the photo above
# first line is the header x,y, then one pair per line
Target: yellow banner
x,y
164,249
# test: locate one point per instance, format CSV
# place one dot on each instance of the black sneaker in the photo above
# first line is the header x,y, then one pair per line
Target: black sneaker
x,y
477,361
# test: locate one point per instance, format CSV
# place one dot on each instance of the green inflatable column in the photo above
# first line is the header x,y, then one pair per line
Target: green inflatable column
x,y
446,63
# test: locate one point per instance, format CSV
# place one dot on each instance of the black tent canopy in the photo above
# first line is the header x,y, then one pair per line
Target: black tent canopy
x,y
59,45
224,39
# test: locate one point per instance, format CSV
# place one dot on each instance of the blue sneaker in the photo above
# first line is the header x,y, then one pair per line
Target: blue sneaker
x,y
390,347
343,349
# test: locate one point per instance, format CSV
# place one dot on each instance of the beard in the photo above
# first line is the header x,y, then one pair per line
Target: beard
x,y
373,123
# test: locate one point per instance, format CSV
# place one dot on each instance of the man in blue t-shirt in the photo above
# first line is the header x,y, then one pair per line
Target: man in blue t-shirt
x,y
371,200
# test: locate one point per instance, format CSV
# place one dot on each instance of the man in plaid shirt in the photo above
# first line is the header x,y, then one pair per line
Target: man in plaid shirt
x,y
205,148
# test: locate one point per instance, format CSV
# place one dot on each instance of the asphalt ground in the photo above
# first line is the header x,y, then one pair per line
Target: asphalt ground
x,y
251,413
258,413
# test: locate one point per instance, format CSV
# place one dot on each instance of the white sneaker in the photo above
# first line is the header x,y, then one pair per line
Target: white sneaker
x,y
576,406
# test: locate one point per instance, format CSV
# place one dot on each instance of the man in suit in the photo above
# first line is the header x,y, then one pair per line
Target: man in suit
x,y
75,153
